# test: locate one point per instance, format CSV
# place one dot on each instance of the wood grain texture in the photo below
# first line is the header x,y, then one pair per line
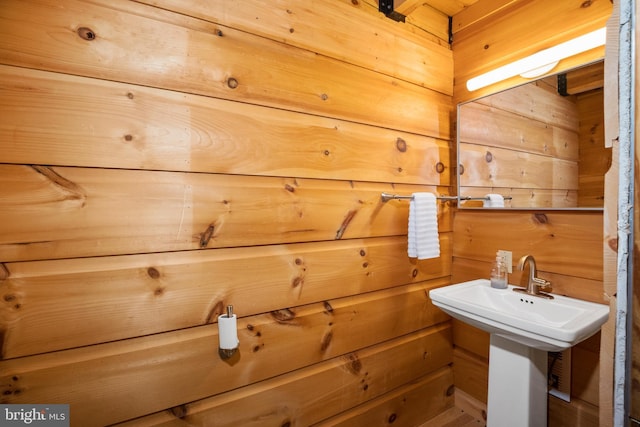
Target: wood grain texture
x,y
69,212
567,243
424,398
203,58
57,119
412,57
268,405
54,305
576,413
471,374
595,158
159,161
497,167
482,124
168,370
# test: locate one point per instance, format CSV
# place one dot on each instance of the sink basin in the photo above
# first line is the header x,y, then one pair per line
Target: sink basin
x,y
549,325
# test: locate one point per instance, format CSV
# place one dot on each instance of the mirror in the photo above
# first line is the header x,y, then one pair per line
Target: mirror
x,y
538,145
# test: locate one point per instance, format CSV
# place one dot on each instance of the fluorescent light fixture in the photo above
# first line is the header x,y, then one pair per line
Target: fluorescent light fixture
x,y
540,59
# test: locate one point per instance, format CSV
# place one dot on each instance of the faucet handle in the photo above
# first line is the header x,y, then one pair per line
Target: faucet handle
x,y
543,285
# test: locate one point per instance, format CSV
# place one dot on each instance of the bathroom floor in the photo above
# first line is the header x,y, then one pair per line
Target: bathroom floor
x,y
467,412
454,417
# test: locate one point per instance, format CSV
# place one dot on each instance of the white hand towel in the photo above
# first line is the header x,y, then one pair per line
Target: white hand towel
x,y
493,201
423,240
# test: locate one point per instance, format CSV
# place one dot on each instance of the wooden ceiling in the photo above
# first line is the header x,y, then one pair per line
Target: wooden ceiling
x,y
447,7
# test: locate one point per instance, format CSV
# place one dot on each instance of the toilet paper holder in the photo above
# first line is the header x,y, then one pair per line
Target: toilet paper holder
x,y
227,334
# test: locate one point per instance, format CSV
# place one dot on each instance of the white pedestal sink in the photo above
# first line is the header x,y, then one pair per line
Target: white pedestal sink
x,y
523,329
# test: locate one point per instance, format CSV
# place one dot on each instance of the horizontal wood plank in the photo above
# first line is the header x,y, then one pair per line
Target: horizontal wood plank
x,y
114,382
199,57
486,166
266,402
421,399
471,339
62,304
334,29
51,212
471,374
576,413
432,21
568,243
56,119
538,102
484,125
587,78
522,198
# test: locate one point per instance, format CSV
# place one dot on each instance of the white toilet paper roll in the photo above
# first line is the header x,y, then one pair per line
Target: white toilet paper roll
x,y
228,332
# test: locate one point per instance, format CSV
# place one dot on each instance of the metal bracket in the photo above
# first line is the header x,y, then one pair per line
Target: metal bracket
x,y
562,84
386,7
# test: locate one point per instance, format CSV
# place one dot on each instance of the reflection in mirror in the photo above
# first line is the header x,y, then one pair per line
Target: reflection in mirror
x,y
539,145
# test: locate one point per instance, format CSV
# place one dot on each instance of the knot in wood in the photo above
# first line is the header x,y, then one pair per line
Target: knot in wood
x,y
153,273
232,82
284,315
327,307
86,33
488,157
401,145
540,218
450,390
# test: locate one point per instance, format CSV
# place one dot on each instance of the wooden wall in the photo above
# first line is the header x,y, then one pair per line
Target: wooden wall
x,y
522,143
162,159
567,246
595,159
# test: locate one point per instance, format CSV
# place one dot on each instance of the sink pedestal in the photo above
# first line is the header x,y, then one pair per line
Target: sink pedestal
x,y
517,384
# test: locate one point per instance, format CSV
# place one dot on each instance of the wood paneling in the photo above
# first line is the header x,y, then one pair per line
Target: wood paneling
x,y
78,121
114,382
424,398
161,160
426,64
572,414
107,212
565,243
63,304
595,159
471,374
200,57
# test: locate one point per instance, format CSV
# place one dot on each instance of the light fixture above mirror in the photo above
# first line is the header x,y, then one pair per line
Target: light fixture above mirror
x,y
541,62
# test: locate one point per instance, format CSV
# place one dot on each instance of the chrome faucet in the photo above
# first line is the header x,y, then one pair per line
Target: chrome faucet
x,y
534,284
